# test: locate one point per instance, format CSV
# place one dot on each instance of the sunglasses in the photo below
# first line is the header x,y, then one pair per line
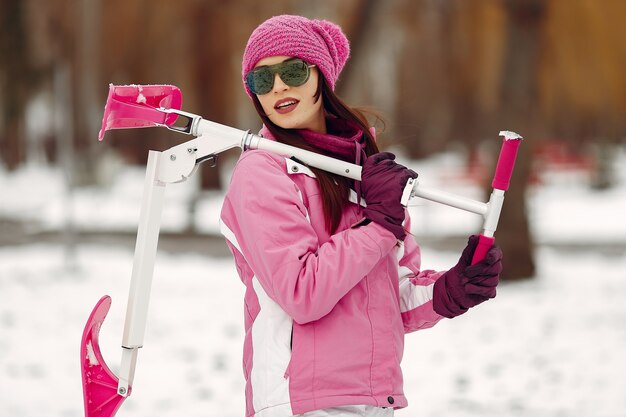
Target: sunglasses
x,y
293,72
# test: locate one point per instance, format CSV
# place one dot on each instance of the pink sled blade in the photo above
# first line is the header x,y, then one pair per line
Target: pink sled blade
x,y
133,106
99,383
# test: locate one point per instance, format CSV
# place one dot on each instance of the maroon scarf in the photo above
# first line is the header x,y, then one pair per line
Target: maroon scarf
x,y
344,140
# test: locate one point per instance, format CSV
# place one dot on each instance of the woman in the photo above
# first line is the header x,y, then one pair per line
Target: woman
x,y
333,280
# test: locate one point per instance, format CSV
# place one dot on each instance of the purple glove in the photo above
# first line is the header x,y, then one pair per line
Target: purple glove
x,y
382,184
467,285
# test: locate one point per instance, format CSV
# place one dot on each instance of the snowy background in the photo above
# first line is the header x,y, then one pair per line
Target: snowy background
x,y
552,346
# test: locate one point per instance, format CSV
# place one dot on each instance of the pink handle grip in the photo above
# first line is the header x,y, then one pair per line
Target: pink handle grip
x,y
506,161
484,244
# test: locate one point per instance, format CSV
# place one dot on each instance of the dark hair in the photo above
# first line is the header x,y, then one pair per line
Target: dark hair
x,y
335,189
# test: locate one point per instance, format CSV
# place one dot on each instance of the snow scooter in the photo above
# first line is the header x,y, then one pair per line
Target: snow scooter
x,y
138,106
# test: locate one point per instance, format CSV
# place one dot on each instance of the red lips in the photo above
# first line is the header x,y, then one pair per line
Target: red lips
x,y
286,105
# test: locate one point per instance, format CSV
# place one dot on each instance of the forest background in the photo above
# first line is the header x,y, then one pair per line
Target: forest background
x,y
447,76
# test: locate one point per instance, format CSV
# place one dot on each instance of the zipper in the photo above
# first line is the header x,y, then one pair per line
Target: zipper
x,y
286,375
287,371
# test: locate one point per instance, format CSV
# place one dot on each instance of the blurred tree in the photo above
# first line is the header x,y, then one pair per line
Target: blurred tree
x,y
83,26
583,82
423,110
467,69
15,76
355,24
211,39
453,71
196,45
519,96
144,44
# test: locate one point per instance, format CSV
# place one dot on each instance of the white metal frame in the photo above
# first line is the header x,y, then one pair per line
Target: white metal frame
x,y
143,268
179,162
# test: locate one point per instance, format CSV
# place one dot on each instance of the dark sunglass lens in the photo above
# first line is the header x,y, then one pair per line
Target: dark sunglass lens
x,y
294,73
260,81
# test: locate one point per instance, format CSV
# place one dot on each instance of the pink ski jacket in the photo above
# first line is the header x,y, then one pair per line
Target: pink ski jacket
x,y
325,316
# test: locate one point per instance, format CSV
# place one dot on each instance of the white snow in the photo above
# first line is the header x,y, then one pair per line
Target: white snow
x,y
91,355
508,135
548,347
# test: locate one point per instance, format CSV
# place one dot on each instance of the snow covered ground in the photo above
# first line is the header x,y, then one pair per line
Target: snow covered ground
x,y
548,347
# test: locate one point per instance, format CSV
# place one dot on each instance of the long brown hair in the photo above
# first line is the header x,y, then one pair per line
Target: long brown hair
x,y
335,189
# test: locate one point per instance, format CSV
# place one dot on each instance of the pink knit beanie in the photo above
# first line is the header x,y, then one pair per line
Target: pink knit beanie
x,y
317,42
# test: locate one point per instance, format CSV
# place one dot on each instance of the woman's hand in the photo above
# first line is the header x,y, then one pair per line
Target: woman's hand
x,y
382,183
467,285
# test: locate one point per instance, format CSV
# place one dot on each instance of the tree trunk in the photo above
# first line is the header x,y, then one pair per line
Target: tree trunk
x,y
519,97
359,21
211,37
14,78
424,109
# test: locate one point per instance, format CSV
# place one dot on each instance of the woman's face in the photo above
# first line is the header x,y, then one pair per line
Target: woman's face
x,y
293,107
